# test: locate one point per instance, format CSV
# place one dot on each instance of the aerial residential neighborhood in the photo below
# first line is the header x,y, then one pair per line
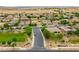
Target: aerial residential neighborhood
x,y
39,28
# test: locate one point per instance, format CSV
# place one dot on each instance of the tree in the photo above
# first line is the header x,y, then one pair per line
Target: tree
x,y
2,28
29,19
6,25
19,16
50,18
43,28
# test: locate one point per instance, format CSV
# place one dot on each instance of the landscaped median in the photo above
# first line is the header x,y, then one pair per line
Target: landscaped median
x,y
60,40
15,40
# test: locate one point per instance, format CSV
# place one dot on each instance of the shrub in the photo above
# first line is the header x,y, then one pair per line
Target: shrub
x,y
57,36
46,33
33,24
14,39
43,24
64,22
76,32
43,28
9,42
6,25
73,32
61,17
70,32
28,30
17,23
14,44
77,14
3,42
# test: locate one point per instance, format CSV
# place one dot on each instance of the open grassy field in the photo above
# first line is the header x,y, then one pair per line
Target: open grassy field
x,y
20,37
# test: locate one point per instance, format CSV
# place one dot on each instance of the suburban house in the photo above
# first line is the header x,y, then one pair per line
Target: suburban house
x,y
54,29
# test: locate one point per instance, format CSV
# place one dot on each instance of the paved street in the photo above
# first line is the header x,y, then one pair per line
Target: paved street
x,y
38,39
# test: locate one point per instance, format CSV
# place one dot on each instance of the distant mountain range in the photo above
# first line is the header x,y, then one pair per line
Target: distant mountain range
x,y
29,7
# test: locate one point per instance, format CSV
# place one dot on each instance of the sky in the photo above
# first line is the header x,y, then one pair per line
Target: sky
x,y
39,3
